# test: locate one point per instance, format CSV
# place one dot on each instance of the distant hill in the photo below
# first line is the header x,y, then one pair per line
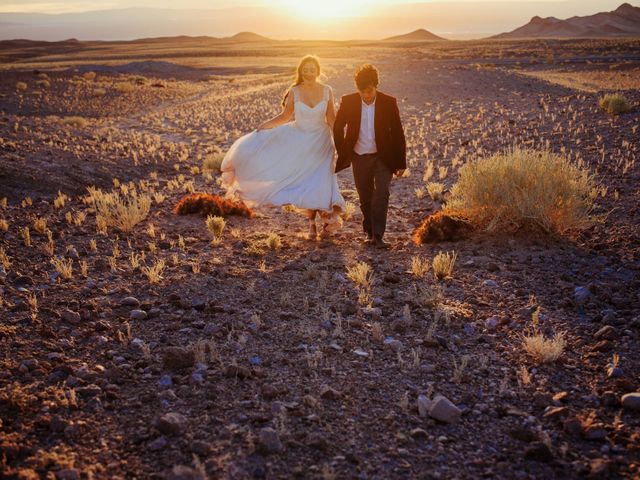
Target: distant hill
x,y
247,37
419,35
622,22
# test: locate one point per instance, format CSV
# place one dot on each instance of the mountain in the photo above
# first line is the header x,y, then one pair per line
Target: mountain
x,y
247,37
624,21
420,35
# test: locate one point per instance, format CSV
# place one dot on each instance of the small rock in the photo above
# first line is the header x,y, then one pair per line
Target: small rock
x,y
423,405
130,302
360,352
631,401
419,433
158,444
606,333
138,314
177,358
328,393
538,452
171,423
68,474
269,441
489,283
182,472
491,323
70,316
443,410
395,345
237,371
594,432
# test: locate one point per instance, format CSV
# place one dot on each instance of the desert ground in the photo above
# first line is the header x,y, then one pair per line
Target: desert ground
x,y
254,356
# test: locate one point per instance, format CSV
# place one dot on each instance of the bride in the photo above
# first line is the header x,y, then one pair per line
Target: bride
x,y
289,160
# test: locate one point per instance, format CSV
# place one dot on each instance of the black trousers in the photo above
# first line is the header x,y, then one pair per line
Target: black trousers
x,y
372,178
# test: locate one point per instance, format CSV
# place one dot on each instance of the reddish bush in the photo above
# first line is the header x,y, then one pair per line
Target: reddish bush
x,y
208,204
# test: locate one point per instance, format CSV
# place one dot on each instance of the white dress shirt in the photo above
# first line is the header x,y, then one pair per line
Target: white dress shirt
x,y
367,137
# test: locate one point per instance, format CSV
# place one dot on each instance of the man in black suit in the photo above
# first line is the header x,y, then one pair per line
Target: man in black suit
x,y
374,145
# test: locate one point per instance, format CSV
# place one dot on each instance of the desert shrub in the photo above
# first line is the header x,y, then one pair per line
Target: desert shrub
x,y
90,76
443,226
75,121
99,92
122,212
124,87
525,188
21,86
443,264
540,348
212,162
43,83
615,104
208,204
435,190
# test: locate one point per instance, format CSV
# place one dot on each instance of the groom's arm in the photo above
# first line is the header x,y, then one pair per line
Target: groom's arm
x,y
340,123
397,137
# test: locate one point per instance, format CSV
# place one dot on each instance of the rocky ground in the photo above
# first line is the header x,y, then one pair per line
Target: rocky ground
x,y
246,361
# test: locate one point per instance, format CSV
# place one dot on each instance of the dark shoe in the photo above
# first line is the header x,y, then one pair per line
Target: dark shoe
x,y
380,244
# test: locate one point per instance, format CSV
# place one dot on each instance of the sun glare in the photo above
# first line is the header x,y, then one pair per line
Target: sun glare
x,y
322,10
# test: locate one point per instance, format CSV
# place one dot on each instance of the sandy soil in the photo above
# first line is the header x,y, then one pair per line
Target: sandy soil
x,y
260,363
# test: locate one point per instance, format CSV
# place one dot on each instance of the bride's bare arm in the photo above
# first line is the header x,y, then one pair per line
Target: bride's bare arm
x,y
331,111
283,117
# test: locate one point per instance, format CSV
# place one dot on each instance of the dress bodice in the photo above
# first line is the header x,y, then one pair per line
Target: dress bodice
x,y
310,118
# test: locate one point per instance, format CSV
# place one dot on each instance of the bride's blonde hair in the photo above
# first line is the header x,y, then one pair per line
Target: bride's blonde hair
x,y
298,80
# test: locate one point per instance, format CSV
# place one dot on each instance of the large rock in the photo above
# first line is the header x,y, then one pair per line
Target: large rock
x,y
631,401
177,358
444,410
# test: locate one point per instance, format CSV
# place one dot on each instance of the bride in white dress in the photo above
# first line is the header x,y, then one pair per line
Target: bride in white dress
x,y
289,159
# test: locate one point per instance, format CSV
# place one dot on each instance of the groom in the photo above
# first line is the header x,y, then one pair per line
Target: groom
x,y
374,145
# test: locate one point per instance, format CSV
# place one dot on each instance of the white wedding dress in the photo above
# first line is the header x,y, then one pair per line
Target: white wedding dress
x,y
292,164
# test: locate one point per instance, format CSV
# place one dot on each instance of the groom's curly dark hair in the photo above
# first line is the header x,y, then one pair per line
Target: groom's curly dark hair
x,y
366,76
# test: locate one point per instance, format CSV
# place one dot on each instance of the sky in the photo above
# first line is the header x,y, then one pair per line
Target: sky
x,y
279,19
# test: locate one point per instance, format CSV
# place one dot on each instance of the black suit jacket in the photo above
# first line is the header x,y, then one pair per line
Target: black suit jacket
x,y
390,141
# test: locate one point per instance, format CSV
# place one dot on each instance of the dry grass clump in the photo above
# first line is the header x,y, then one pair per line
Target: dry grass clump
x,y
43,83
362,275
419,266
154,272
525,188
443,264
435,191
75,121
212,162
615,104
208,204
274,242
541,348
21,86
99,92
121,212
5,261
90,76
4,225
215,225
63,266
